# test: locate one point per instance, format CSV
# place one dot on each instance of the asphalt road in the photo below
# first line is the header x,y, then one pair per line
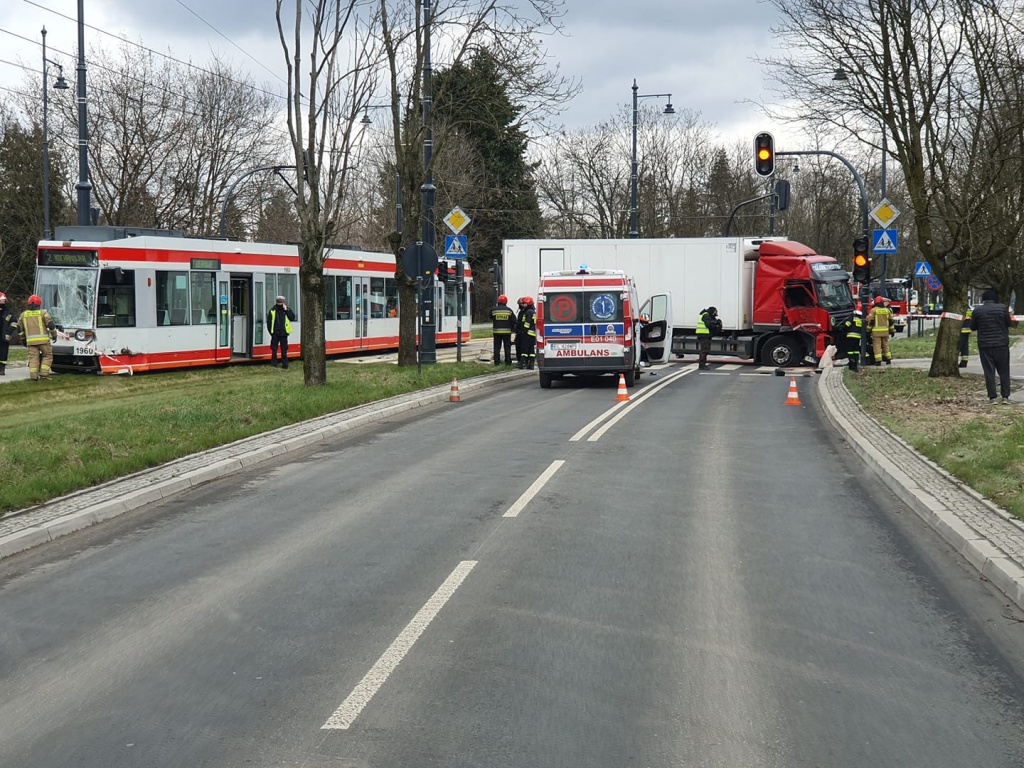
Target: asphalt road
x,y
709,580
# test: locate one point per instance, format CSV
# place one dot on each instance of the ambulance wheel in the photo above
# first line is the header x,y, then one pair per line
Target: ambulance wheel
x,y
630,377
545,380
780,352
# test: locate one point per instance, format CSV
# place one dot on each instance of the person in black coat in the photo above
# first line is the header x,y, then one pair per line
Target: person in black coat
x,y
991,322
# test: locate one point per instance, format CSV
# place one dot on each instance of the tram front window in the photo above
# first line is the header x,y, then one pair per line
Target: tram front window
x,y
69,295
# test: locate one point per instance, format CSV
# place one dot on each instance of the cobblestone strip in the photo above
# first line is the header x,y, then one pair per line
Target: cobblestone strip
x,y
985,535
69,513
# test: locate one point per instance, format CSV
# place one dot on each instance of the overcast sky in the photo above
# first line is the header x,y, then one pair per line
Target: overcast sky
x,y
698,51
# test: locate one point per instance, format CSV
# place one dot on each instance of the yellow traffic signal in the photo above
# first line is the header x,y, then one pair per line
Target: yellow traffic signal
x,y
861,262
764,154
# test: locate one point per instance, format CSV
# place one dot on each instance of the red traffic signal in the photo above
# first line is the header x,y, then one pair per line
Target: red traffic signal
x,y
764,154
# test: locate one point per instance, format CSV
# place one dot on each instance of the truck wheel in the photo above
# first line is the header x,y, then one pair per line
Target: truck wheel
x,y
630,377
545,380
780,352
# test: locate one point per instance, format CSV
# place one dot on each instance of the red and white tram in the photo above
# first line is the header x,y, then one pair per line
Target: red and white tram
x,y
132,300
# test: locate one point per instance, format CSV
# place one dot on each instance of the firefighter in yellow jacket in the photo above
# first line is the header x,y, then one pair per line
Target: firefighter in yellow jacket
x,y
880,321
38,332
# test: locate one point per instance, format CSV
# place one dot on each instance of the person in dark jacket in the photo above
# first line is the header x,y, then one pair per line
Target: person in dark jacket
x,y
8,329
526,334
708,325
279,323
503,325
991,322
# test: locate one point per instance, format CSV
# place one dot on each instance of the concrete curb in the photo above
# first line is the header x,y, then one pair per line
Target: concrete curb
x,y
986,556
46,522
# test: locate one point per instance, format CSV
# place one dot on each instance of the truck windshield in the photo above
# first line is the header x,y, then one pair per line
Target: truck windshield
x,y
834,294
68,294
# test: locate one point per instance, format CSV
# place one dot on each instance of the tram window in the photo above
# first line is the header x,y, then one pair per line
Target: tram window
x,y
204,305
391,293
377,297
343,298
172,296
115,302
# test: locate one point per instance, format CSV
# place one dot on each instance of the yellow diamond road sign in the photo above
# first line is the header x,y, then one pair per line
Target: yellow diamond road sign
x,y
885,213
456,220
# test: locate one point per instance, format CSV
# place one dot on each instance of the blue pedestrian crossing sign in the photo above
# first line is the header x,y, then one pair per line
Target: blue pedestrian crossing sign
x,y
885,241
922,269
455,246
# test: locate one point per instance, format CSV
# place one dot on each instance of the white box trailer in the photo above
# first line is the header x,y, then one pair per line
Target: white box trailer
x,y
776,298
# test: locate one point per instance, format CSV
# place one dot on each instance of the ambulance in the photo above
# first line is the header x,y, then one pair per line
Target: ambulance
x,y
587,325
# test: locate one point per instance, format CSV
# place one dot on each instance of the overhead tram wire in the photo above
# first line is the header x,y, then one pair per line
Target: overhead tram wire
x,y
145,48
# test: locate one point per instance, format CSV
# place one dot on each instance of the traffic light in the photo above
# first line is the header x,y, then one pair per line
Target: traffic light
x,y
861,262
764,154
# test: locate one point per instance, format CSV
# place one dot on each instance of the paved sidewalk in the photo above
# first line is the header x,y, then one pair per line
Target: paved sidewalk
x,y
987,537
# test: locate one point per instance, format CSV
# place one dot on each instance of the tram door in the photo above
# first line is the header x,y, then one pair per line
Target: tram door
x,y
241,307
361,307
223,317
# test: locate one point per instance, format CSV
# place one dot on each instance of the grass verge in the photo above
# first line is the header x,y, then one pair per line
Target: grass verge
x,y
950,421
76,431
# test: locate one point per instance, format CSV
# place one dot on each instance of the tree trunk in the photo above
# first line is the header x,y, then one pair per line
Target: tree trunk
x,y
314,352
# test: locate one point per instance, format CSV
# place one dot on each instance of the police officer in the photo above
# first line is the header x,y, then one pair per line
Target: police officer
x,y
965,337
526,334
8,328
503,324
707,326
38,332
279,322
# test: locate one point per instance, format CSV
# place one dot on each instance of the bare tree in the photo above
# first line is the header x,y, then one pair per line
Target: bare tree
x,y
942,78
325,97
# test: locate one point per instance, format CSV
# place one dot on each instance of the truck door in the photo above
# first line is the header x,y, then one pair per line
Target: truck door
x,y
798,301
656,336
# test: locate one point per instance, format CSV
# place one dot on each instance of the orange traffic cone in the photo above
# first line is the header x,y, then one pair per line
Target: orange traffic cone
x,y
793,398
622,396
453,395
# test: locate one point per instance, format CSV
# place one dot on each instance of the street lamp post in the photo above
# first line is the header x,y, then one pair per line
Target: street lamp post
x,y
633,231
62,85
83,187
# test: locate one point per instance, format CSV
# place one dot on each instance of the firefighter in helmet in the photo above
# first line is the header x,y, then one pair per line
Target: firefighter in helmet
x,y
503,325
880,321
526,334
38,331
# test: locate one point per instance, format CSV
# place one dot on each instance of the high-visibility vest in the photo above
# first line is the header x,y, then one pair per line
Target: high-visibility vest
x,y
34,328
273,320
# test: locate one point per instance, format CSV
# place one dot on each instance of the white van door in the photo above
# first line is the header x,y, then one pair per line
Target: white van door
x,y
656,336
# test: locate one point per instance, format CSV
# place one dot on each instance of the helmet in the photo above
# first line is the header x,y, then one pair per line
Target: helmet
x,y
34,299
503,299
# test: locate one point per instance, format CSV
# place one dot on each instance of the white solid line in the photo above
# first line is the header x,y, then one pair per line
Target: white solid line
x,y
349,710
648,392
530,492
